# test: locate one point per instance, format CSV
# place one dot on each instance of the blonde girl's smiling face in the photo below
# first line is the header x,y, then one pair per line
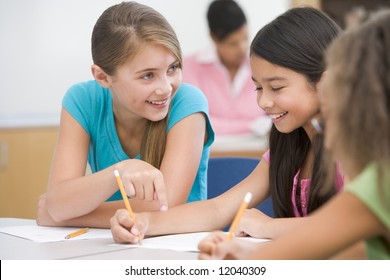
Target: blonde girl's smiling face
x,y
144,86
285,95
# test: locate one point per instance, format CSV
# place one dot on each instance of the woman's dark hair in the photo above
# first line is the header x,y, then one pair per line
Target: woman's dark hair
x,y
296,40
224,17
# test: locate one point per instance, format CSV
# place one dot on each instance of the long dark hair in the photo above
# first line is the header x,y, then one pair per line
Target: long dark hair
x,y
296,40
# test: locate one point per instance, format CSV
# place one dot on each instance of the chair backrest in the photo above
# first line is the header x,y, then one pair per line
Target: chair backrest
x,y
225,172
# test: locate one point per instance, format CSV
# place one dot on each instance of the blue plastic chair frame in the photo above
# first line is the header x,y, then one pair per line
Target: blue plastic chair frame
x,y
225,172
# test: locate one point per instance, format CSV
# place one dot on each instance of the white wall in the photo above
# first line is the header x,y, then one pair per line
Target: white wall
x,y
45,47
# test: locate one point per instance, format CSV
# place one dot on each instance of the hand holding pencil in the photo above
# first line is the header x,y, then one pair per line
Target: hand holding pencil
x,y
218,245
244,205
126,200
124,230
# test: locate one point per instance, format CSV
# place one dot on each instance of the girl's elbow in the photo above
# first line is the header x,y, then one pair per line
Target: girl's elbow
x,y
54,209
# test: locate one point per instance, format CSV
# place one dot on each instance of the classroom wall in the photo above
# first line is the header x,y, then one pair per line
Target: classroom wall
x,y
45,47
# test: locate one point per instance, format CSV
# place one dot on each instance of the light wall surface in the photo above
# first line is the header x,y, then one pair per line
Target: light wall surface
x,y
45,47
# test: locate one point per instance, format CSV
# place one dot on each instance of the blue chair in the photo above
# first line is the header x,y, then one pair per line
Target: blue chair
x,y
225,172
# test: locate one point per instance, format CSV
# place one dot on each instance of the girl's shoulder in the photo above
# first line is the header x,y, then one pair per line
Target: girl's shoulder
x,y
373,192
87,92
188,91
189,98
90,87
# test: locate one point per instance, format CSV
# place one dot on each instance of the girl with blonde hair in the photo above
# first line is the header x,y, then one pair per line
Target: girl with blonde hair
x,y
136,117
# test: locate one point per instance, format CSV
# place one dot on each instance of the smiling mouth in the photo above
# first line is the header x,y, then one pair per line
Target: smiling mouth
x,y
162,102
277,116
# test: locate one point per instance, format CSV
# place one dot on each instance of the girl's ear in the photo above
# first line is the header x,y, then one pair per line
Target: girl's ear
x,y
100,76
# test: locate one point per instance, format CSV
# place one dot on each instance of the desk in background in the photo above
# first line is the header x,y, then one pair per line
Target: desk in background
x,y
16,248
247,145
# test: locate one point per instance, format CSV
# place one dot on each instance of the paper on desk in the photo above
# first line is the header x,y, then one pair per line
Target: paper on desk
x,y
187,242
53,234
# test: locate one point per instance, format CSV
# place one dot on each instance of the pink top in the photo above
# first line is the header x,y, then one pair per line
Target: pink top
x,y
232,104
305,188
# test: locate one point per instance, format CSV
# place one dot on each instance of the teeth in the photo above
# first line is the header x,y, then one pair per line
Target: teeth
x,y
276,116
158,102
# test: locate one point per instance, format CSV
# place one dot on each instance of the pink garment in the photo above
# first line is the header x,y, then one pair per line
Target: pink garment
x,y
305,188
232,104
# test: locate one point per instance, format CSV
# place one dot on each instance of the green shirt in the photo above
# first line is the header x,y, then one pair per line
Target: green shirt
x,y
377,199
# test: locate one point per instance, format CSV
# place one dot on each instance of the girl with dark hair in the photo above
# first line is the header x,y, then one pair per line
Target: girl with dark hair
x,y
287,65
355,104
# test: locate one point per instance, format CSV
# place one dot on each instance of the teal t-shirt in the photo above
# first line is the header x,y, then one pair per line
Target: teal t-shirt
x,y
377,199
91,106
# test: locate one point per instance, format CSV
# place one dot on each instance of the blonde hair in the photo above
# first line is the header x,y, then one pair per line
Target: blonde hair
x,y
359,62
117,36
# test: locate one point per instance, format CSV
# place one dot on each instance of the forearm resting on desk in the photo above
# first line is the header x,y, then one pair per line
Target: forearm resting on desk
x,y
191,217
99,218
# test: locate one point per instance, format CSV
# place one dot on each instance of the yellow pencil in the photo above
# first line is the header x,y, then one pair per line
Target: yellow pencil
x,y
240,211
125,199
76,233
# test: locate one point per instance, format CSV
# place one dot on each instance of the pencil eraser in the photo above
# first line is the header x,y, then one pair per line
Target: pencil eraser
x,y
248,197
116,173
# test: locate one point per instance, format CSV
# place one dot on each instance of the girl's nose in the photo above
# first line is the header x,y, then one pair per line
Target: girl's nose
x,y
265,101
165,86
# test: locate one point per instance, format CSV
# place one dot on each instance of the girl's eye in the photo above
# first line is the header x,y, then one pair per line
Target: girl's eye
x,y
258,89
147,76
173,68
277,89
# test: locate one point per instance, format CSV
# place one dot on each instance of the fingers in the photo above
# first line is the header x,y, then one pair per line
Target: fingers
x,y
208,245
159,187
226,250
123,228
249,220
240,233
140,185
148,193
129,187
223,250
217,247
147,183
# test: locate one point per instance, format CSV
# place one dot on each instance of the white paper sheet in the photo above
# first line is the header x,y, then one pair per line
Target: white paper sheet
x,y
53,234
187,242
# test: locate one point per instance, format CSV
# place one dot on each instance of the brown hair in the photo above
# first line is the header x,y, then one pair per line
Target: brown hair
x,y
117,36
359,69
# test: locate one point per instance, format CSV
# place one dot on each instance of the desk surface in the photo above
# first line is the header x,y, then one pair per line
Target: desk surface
x,y
245,145
14,248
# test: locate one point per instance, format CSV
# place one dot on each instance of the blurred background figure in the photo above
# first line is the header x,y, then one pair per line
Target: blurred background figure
x,y
356,16
222,72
